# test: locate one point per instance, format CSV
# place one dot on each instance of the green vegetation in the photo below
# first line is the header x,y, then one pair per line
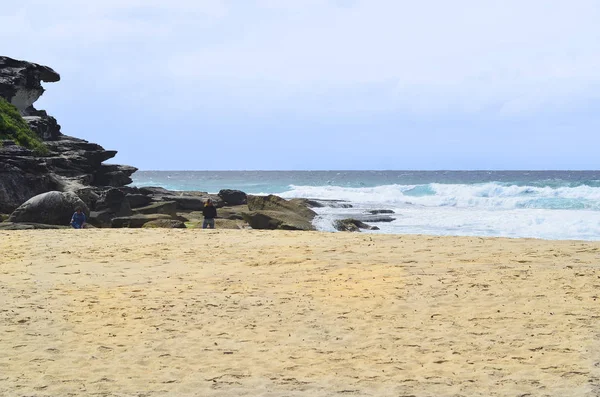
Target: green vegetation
x,y
13,127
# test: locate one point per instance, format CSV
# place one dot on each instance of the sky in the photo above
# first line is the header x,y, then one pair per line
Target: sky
x,y
321,84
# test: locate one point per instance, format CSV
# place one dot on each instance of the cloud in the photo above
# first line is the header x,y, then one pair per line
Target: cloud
x,y
425,57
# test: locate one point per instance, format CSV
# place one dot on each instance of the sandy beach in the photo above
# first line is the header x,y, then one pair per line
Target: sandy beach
x,y
259,313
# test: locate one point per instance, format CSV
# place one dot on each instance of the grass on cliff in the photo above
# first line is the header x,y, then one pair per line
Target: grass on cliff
x,y
13,127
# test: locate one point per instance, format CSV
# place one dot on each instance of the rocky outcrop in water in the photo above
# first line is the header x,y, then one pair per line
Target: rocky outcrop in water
x,y
273,212
70,164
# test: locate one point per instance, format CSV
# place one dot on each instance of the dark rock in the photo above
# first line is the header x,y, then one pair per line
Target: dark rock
x,y
233,197
89,196
319,203
155,191
138,200
52,208
162,207
101,218
374,218
3,217
375,212
112,203
313,203
114,175
136,221
187,203
165,224
23,177
115,201
28,226
284,220
45,127
71,164
20,81
352,225
235,217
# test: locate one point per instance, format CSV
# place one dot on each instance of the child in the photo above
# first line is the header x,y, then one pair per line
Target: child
x,y
78,219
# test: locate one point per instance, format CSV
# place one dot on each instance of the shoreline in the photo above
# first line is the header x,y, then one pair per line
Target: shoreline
x,y
124,312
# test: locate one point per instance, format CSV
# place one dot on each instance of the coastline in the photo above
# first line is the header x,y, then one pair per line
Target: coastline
x,y
253,312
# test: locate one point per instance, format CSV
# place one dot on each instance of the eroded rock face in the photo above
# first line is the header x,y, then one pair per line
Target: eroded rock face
x,y
71,164
20,82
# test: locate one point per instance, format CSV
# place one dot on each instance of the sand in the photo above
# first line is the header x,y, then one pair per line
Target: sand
x,y
258,313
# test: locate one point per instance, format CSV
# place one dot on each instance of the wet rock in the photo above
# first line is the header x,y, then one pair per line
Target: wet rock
x,y
352,225
375,212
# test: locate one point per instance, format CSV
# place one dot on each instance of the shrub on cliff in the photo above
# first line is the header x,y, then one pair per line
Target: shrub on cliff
x,y
13,127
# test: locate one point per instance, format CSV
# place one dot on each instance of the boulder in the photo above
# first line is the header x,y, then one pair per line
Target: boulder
x,y
164,224
115,201
52,208
276,203
284,220
352,225
233,197
137,221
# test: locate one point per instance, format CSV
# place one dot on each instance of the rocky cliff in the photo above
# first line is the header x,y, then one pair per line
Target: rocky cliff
x,y
69,164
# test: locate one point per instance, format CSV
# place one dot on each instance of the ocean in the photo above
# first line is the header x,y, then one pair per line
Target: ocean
x,y
555,205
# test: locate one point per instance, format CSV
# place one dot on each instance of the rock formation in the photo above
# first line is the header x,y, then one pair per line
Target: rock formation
x,y
273,212
51,208
70,165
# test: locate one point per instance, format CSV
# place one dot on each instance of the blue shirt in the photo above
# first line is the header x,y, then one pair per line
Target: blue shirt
x,y
78,219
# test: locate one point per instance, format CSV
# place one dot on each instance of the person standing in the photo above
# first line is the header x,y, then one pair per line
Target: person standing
x,y
210,213
78,219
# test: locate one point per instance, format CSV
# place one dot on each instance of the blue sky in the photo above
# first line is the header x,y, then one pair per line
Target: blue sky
x,y
321,84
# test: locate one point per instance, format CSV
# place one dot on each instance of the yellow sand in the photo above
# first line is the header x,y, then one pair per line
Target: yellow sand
x,y
241,312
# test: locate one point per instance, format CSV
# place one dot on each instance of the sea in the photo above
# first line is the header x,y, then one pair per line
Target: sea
x,y
554,205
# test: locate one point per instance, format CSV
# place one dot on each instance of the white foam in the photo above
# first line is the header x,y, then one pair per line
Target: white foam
x,y
489,209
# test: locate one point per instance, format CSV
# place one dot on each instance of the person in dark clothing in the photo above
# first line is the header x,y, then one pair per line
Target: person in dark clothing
x,y
78,219
210,213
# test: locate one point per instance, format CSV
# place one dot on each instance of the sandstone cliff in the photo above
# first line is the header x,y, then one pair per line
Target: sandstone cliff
x,y
67,164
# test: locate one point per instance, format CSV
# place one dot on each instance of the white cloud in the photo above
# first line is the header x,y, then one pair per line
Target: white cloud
x,y
425,56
